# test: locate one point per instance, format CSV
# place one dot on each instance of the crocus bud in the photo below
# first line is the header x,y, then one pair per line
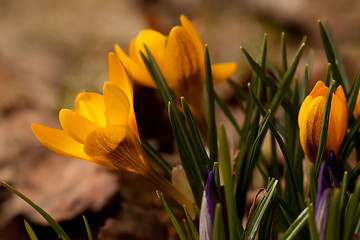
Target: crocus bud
x,y
310,117
208,206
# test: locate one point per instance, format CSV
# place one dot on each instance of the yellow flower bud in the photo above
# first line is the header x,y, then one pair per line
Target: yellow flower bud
x,y
310,117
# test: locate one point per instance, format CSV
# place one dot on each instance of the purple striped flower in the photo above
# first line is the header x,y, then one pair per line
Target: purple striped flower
x,y
208,205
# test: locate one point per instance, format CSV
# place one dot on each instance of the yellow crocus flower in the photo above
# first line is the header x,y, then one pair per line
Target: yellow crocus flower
x,y
180,57
310,117
103,129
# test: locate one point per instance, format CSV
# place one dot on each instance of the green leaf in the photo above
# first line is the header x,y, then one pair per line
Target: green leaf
x,y
324,128
353,94
173,218
254,223
334,219
30,231
351,216
194,233
354,173
283,52
187,156
199,149
327,75
156,156
296,226
312,184
279,140
218,226
88,231
47,217
235,229
329,48
228,113
314,235
260,71
212,138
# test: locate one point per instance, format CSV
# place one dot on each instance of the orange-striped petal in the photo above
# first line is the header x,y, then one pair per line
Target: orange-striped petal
x,y
184,61
104,141
194,35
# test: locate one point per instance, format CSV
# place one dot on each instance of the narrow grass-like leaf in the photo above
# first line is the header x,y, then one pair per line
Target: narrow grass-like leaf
x,y
187,156
194,233
199,149
350,136
260,71
218,226
312,184
217,179
187,230
324,128
228,113
353,94
47,217
254,223
334,219
314,235
296,226
266,225
343,194
225,163
212,138
156,156
30,231
283,53
88,231
351,216
355,172
327,75
337,54
278,139
173,218
329,50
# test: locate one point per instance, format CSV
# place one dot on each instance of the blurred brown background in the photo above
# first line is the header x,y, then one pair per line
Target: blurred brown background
x,y
51,50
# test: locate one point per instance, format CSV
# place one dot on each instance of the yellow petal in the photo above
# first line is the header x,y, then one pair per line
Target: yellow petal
x,y
154,41
138,72
91,106
303,111
105,140
133,50
310,128
117,104
194,35
118,75
222,71
183,63
75,125
319,85
58,141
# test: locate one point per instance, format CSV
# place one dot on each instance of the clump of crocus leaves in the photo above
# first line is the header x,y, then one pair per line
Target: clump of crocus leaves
x,y
322,123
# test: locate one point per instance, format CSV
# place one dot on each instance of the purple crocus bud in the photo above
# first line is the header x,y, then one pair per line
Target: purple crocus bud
x,y
329,178
322,214
208,205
